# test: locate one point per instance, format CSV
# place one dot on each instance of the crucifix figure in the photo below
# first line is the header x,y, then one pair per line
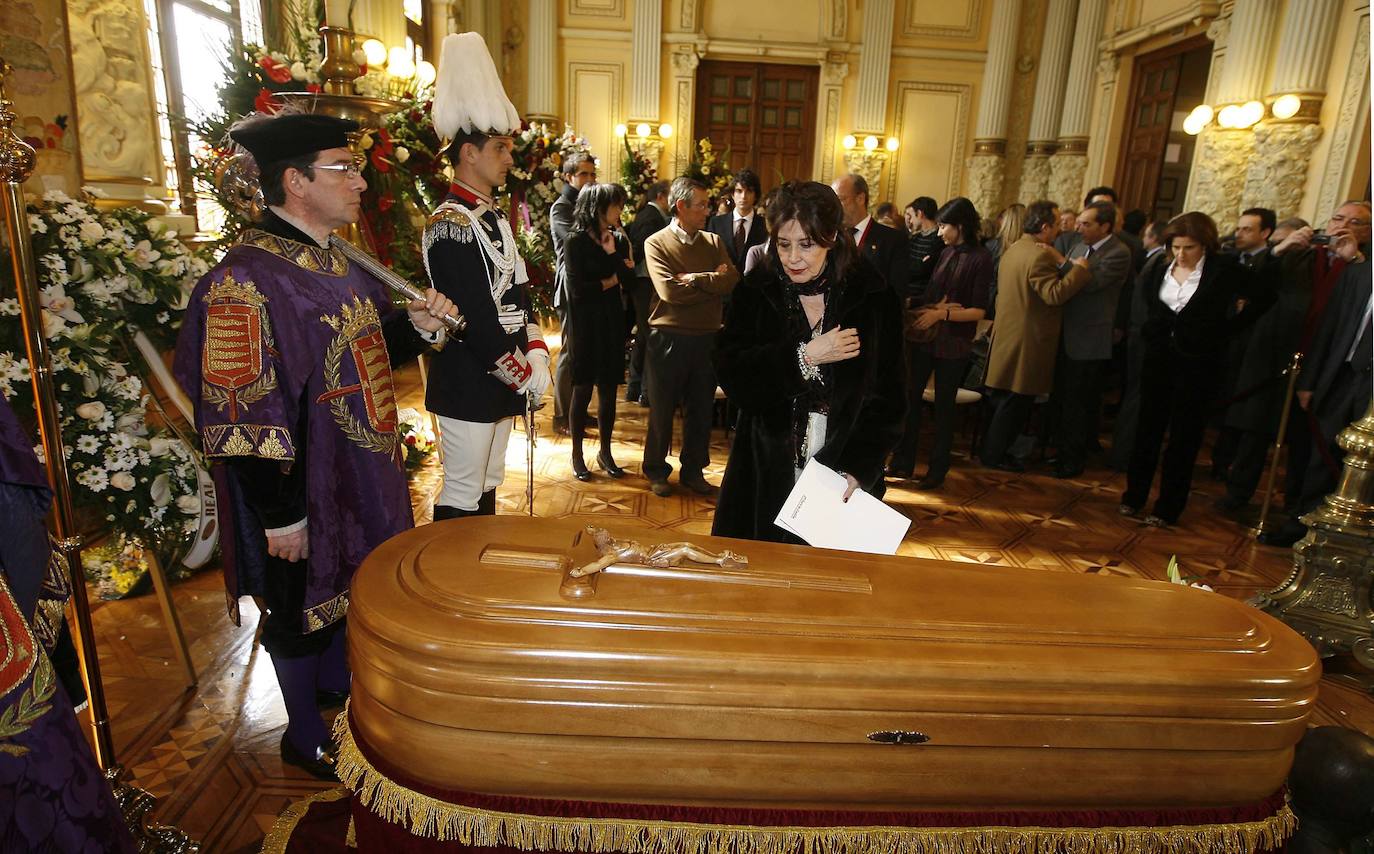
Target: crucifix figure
x,y
614,551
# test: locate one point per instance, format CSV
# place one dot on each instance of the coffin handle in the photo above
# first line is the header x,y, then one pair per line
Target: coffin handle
x,y
898,736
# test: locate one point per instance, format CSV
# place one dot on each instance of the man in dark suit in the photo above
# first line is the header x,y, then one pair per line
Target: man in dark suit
x,y
742,228
650,219
1334,386
579,170
1085,342
885,247
1069,239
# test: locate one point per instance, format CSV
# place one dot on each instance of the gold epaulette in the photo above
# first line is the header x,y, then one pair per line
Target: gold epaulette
x,y
452,222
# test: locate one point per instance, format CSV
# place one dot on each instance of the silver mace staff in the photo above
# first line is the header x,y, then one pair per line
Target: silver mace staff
x,y
455,323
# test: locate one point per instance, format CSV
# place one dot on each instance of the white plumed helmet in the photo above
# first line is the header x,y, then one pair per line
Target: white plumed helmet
x,y
468,95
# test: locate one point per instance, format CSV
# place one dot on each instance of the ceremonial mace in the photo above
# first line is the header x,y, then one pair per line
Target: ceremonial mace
x,y
16,165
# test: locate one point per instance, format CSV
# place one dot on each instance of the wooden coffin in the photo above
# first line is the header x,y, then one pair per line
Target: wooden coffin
x,y
811,678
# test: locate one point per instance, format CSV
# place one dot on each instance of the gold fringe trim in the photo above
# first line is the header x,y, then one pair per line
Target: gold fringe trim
x,y
280,835
430,817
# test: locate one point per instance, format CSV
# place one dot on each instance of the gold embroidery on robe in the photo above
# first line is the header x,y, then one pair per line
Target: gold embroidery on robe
x,y
329,262
359,335
325,613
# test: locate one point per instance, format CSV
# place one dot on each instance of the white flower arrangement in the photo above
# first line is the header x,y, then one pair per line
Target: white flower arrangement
x,y
104,275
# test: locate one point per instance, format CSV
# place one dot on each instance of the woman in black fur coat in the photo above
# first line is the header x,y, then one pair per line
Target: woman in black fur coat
x,y
811,354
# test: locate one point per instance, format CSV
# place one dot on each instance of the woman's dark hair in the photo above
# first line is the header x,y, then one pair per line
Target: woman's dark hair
x,y
817,210
960,213
592,204
1195,225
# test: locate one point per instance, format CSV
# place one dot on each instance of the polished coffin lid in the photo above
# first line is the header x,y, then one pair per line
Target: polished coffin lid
x,y
463,624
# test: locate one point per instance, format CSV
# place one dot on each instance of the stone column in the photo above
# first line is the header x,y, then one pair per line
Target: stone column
x,y
833,72
1070,160
542,103
1049,99
1277,173
875,58
987,166
648,45
1223,155
685,62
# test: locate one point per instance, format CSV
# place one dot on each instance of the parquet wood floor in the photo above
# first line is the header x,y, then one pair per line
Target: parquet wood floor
x,y
210,754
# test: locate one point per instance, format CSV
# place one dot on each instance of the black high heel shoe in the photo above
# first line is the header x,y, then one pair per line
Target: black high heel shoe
x,y
604,461
580,470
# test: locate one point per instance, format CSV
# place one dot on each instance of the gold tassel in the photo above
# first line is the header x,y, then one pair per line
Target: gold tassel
x,y
432,818
280,835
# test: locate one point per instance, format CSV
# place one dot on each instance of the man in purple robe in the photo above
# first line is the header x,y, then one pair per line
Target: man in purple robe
x,y
286,352
53,796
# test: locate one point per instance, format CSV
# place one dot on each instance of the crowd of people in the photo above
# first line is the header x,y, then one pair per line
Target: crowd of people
x,y
821,316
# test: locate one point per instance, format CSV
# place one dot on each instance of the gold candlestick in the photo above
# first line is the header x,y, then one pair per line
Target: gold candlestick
x,y
16,165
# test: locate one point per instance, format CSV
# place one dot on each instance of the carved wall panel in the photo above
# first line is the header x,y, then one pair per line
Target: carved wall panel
x,y
33,39
597,8
1066,178
114,91
932,125
595,104
1218,182
1035,179
985,175
946,19
1350,123
1277,174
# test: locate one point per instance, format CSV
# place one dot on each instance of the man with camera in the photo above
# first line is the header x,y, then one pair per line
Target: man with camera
x,y
1335,341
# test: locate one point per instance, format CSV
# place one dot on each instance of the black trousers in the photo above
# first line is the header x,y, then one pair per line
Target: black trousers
x,y
641,296
678,369
1010,412
948,374
1076,400
562,375
1246,471
1173,398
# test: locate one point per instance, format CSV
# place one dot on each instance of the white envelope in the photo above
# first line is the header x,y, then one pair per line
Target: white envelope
x,y
815,512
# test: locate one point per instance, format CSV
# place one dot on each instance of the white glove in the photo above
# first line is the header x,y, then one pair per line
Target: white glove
x,y
540,378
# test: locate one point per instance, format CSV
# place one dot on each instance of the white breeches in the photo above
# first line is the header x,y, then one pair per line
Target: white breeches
x,y
474,459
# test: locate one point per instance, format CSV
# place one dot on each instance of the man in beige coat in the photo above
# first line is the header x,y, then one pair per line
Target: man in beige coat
x,y
1030,294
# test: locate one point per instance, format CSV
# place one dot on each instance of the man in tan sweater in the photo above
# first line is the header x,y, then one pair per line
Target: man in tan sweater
x,y
691,272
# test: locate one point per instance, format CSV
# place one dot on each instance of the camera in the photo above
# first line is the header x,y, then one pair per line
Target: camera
x,y
1320,239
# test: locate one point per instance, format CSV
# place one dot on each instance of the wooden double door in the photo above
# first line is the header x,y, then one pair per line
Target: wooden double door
x,y
764,114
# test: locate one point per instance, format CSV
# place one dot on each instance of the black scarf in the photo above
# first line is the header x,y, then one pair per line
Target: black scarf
x,y
816,397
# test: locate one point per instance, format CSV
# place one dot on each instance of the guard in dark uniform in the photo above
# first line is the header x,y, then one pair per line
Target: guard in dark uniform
x,y
480,384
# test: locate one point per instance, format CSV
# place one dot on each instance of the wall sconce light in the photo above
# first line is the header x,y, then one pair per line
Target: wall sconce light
x,y
892,143
375,52
870,143
1250,114
1229,117
665,131
399,64
849,141
642,130
1286,106
621,130
425,72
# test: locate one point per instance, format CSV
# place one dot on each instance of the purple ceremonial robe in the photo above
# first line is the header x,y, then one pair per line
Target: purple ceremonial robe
x,y
53,796
283,356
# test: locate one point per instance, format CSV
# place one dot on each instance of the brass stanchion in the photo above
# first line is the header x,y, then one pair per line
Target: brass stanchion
x,y
16,165
1292,371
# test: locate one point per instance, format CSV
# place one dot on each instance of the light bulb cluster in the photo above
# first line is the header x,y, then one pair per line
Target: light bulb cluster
x,y
1240,116
397,63
869,142
644,130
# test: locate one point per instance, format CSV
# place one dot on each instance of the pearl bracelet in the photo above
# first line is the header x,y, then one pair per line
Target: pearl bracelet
x,y
809,371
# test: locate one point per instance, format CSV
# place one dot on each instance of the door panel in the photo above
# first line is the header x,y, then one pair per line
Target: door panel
x,y
763,114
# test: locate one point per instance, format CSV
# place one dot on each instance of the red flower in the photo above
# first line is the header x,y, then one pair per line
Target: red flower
x,y
265,102
313,87
378,162
385,203
410,440
277,71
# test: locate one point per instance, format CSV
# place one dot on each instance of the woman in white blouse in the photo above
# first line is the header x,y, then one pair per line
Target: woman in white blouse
x,y
1189,317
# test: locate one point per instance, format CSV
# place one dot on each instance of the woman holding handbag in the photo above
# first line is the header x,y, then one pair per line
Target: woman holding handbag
x,y
943,327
